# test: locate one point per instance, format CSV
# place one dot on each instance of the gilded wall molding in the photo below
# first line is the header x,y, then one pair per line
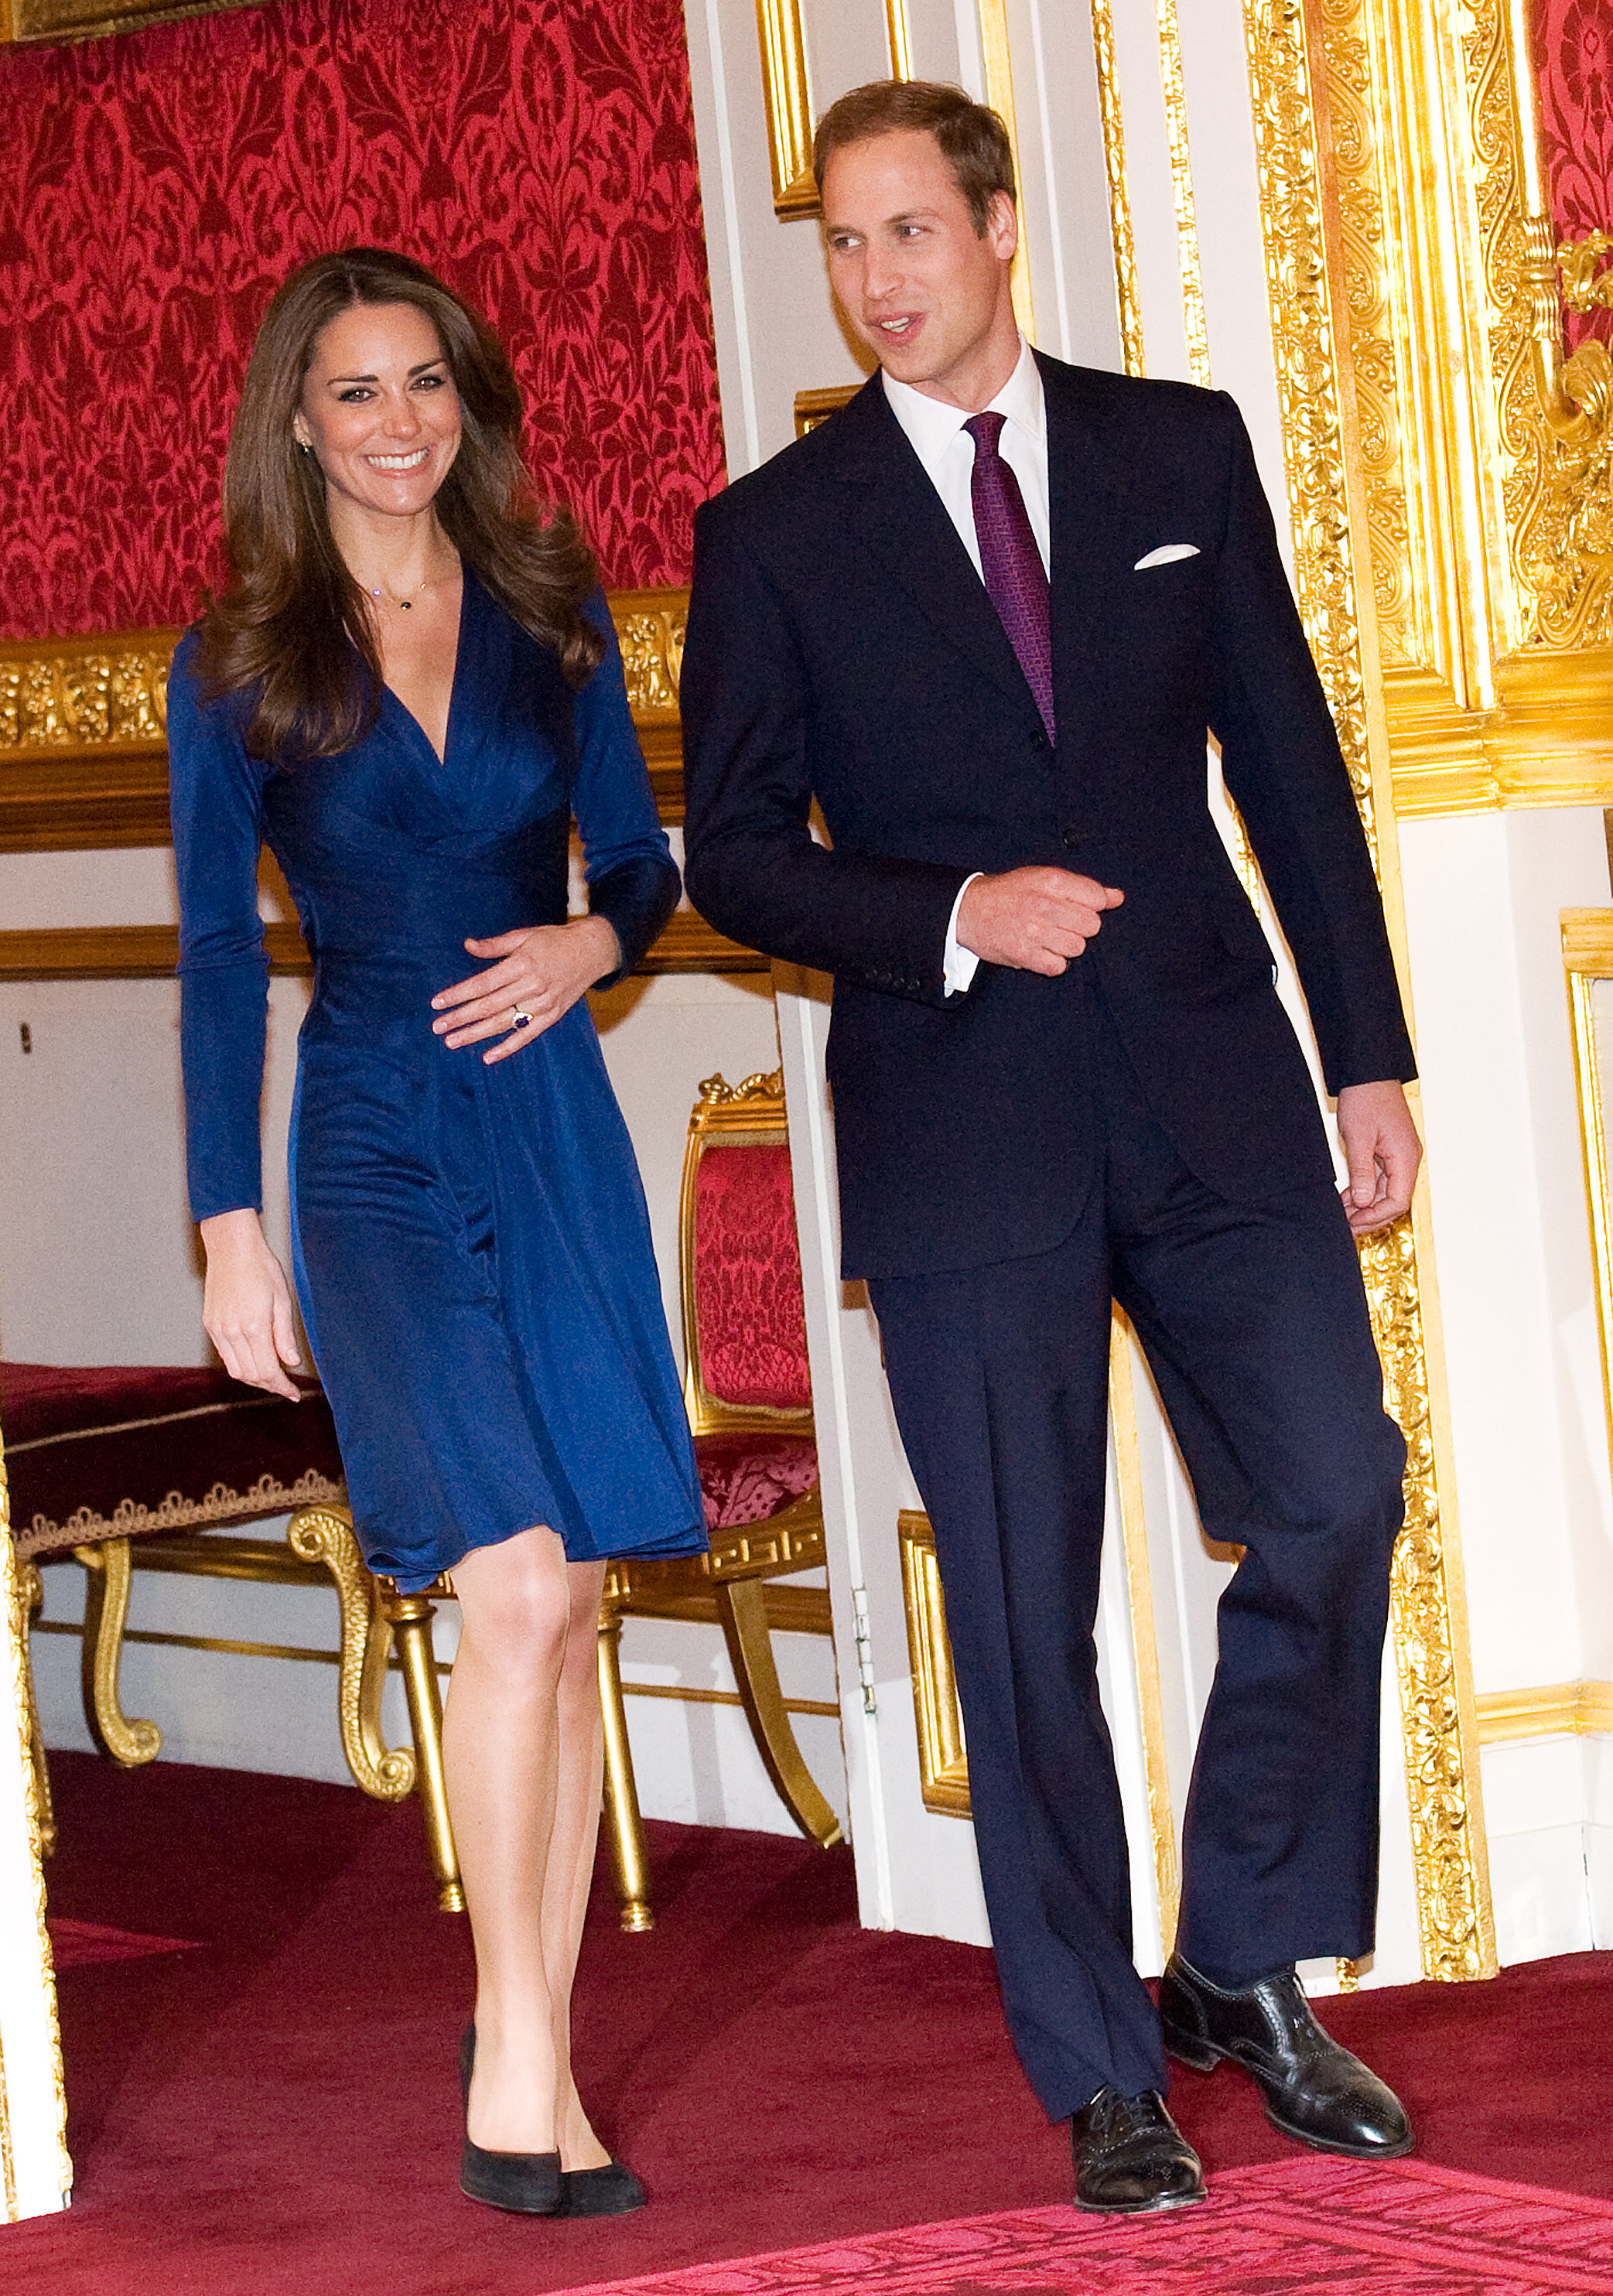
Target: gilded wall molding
x,y
787,100
84,727
1193,321
1588,956
992,15
1571,1710
899,37
686,944
1127,299
13,1627
1428,1616
54,22
943,1764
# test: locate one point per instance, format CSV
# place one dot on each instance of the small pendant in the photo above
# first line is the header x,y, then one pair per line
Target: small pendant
x,y
406,605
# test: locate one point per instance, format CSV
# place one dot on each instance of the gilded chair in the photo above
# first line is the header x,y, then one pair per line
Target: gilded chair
x,y
749,1391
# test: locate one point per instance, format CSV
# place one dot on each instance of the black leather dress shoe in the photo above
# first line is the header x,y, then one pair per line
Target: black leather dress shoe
x,y
1131,2156
1313,2089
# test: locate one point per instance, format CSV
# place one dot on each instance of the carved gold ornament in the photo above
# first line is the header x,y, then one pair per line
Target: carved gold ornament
x,y
1482,448
1429,1622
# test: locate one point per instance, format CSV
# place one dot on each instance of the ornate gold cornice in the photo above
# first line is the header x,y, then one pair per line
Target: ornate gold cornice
x,y
84,727
1302,248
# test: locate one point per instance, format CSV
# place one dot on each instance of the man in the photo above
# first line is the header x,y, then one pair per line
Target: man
x,y
984,617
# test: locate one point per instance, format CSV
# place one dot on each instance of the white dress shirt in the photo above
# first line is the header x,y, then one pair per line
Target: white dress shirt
x,y
936,435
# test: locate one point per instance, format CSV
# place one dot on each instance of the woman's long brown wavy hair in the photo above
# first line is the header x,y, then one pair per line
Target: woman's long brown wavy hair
x,y
292,629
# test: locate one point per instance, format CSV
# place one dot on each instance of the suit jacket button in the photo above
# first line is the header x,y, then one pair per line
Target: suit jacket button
x,y
1070,837
1038,740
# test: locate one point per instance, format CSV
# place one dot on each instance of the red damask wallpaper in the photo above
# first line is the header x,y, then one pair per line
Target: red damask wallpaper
x,y
156,187
1573,58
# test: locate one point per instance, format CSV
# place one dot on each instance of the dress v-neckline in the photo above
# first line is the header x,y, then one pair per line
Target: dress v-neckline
x,y
441,760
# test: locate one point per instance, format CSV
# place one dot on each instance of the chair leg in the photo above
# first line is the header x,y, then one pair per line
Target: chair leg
x,y
107,1572
627,1856
29,1594
323,1534
741,1606
409,1617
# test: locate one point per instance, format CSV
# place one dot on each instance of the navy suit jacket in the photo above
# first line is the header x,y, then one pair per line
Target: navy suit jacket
x,y
841,647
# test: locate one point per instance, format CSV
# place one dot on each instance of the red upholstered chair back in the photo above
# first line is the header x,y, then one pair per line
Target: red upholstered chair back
x,y
744,1315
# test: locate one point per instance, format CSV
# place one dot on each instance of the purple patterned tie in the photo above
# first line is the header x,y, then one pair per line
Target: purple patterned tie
x,y
1016,580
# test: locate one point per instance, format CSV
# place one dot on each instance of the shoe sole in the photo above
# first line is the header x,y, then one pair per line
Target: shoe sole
x,y
508,2207
1140,2208
1203,2057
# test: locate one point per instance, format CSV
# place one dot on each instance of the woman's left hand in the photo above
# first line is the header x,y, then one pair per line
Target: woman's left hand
x,y
541,971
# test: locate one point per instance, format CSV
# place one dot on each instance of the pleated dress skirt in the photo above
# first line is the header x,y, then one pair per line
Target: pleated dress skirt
x,y
473,1258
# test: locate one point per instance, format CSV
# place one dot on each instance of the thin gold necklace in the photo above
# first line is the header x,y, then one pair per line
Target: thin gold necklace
x,y
404,605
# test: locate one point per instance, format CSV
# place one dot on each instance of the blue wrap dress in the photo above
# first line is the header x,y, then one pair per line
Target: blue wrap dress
x,y
471,1244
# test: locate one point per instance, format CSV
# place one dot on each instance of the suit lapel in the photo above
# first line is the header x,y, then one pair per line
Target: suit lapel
x,y
1086,516
906,526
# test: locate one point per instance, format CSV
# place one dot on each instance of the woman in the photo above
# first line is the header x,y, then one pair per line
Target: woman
x,y
409,690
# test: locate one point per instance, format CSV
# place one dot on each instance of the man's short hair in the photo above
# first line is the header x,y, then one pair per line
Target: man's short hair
x,y
973,140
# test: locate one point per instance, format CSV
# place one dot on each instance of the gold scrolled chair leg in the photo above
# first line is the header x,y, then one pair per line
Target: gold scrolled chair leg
x,y
325,1534
632,1868
106,1573
29,1597
741,1606
408,1618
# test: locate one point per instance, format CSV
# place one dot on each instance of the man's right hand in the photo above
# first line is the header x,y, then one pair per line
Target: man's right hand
x,y
1034,920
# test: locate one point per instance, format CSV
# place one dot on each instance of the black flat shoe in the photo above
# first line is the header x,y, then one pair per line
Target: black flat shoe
x,y
612,2191
529,2184
1314,2090
1131,2158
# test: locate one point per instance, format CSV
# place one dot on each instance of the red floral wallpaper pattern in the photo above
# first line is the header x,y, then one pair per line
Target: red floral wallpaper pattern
x,y
748,1306
1574,59
156,187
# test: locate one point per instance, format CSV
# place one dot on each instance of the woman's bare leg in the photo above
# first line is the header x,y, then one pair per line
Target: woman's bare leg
x,y
522,1772
571,1869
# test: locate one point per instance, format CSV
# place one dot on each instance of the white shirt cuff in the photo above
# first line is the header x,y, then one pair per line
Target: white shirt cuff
x,y
959,965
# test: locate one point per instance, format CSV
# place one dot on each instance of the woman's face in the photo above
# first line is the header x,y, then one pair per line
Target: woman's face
x,y
380,409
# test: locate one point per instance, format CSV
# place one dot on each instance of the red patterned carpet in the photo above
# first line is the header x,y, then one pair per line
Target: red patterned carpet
x,y
275,2111
1286,2229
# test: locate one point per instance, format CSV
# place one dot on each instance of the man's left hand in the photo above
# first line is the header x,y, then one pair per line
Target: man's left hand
x,y
1383,1151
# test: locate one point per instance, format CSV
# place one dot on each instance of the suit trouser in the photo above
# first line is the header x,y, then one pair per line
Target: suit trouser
x,y
1254,1324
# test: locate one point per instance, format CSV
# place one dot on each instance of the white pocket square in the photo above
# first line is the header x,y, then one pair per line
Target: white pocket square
x,y
1167,554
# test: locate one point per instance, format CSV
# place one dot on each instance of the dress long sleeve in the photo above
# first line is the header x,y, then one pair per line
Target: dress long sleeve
x,y
633,879
215,798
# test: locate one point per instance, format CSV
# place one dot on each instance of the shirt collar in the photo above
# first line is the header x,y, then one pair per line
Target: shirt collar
x,y
931,426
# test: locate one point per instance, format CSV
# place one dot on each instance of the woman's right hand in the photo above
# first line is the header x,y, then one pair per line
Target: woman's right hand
x,y
246,1304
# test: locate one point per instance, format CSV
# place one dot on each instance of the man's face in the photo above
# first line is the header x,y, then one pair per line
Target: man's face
x,y
927,294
